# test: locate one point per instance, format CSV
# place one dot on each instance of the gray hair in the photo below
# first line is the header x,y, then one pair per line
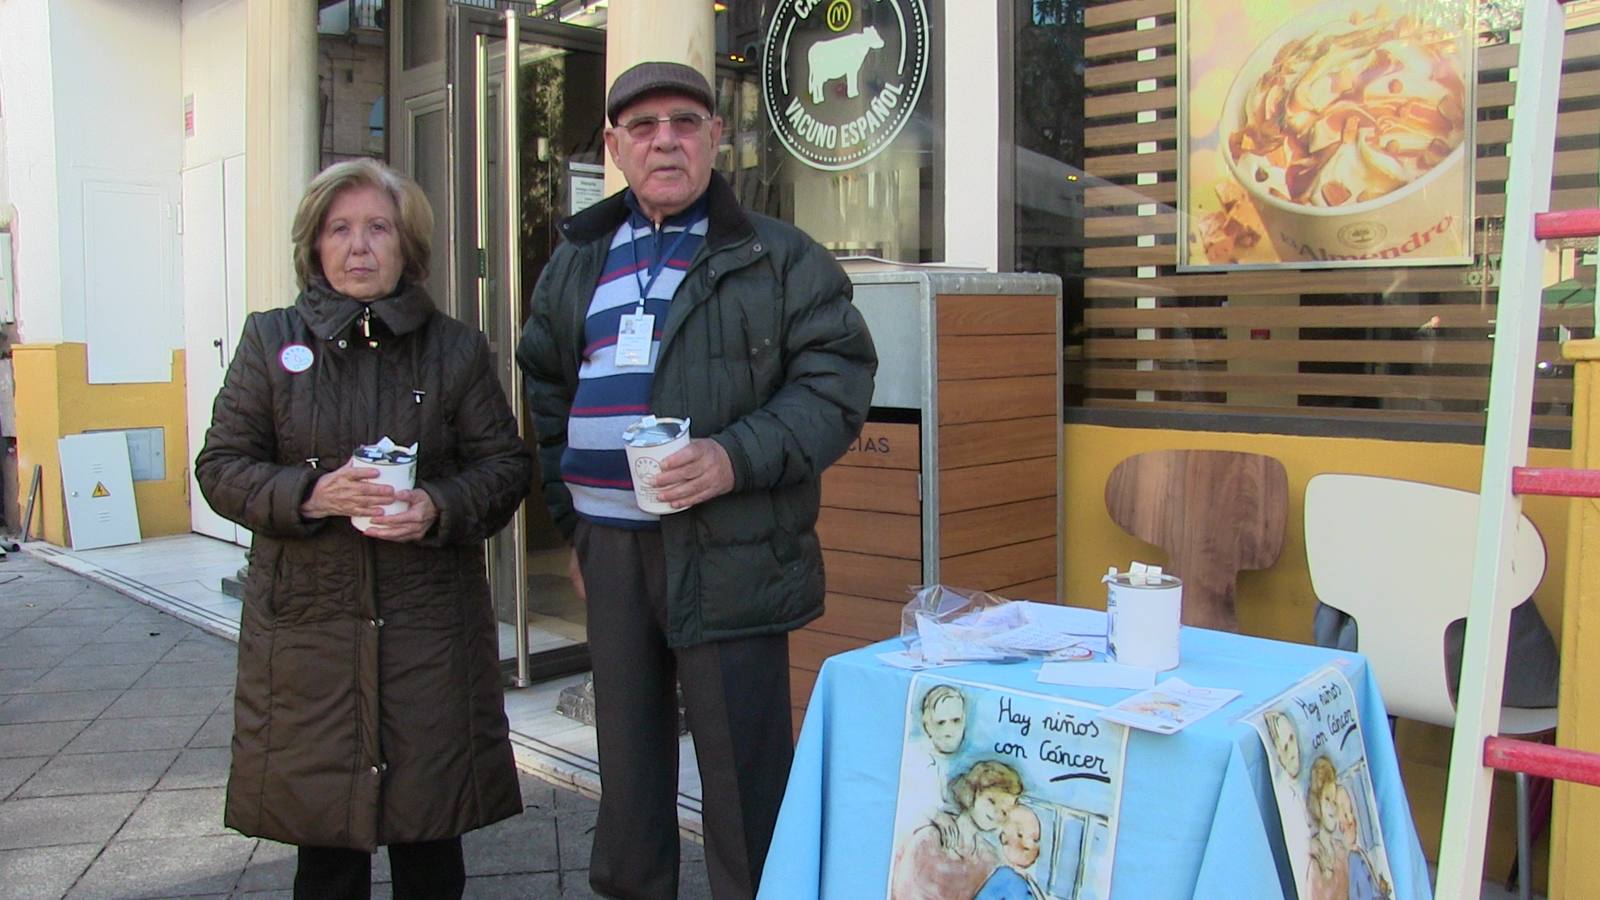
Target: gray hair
x,y
415,226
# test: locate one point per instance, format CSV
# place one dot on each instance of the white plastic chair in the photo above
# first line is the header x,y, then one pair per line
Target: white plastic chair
x,y
1396,556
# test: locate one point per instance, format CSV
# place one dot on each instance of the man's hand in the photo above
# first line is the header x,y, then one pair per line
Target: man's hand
x,y
347,491
695,474
575,573
409,525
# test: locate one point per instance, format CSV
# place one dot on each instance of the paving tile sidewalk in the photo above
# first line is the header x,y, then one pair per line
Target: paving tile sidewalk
x,y
114,727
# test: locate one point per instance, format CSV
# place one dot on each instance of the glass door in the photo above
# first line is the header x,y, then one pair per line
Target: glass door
x,y
545,112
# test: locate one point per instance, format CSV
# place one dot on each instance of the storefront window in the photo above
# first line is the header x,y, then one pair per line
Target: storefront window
x,y
835,106
1192,293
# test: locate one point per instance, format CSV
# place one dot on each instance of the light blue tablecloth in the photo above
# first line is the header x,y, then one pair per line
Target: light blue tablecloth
x,y
1198,818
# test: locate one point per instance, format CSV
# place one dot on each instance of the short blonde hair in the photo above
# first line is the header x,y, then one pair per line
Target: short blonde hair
x,y
983,776
415,226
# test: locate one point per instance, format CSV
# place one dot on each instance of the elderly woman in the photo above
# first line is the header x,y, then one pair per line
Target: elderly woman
x,y
369,709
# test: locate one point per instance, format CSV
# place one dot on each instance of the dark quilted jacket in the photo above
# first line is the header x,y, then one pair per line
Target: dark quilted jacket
x,y
764,352
369,708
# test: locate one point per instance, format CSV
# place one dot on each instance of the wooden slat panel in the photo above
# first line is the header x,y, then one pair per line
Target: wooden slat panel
x,y
1104,76
959,314
1485,239
1117,164
801,682
1488,168
871,576
807,648
1116,257
990,569
879,490
988,399
875,533
1104,195
1571,198
1165,194
1129,135
1112,72
979,486
1322,412
1441,387
1573,86
1331,281
1119,43
1568,124
997,356
1041,591
885,446
994,526
1123,104
1392,316
859,617
1126,11
1567,162
990,442
1423,351
1130,226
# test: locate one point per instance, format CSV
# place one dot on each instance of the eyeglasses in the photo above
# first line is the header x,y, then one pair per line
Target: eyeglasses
x,y
684,125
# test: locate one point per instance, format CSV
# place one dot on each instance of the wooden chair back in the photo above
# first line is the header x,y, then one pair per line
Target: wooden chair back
x,y
1214,512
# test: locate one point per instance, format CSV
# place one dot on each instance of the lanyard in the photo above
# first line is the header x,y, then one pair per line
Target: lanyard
x,y
660,263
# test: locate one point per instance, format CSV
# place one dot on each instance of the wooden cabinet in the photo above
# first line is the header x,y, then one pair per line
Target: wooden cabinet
x,y
956,477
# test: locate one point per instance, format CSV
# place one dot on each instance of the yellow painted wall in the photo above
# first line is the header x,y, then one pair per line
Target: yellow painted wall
x,y
1576,807
1278,602
55,399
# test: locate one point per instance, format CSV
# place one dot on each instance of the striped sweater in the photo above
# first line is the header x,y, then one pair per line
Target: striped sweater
x,y
643,262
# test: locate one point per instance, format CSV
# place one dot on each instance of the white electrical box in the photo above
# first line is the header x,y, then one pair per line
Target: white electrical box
x,y
99,486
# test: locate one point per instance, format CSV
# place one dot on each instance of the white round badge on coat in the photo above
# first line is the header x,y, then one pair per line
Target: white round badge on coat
x,y
296,358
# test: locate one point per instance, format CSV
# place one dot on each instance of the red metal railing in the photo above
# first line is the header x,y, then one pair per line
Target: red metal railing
x,y
1543,760
1555,482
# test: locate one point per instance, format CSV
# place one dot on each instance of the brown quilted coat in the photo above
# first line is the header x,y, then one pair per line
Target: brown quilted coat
x,y
369,708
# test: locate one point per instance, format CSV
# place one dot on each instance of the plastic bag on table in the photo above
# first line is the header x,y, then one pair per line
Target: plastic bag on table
x,y
944,624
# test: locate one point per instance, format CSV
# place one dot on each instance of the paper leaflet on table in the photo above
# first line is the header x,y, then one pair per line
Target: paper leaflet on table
x,y
1030,786
1326,802
1169,707
943,625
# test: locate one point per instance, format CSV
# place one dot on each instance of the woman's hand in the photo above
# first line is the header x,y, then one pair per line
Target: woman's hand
x,y
407,526
347,491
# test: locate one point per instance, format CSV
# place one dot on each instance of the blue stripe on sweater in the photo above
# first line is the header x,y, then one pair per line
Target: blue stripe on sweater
x,y
609,397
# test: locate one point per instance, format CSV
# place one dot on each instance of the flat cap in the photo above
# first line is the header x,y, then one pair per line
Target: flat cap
x,y
653,77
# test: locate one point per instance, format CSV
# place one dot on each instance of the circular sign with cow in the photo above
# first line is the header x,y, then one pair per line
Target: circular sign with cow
x,y
840,78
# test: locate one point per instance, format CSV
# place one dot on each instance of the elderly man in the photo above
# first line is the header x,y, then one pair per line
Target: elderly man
x,y
669,299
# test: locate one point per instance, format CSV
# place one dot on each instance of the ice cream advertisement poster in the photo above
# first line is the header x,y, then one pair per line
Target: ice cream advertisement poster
x,y
1323,134
1314,745
1004,794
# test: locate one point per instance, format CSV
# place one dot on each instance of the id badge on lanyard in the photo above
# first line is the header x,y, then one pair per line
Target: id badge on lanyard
x,y
634,334
636,330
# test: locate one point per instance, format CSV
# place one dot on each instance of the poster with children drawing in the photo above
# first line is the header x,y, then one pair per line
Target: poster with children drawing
x,y
1319,775
1004,794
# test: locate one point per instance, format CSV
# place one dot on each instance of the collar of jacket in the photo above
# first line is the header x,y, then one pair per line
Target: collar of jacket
x,y
328,312
728,224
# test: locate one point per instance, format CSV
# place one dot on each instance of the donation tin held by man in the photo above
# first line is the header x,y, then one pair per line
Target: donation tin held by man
x,y
668,299
369,709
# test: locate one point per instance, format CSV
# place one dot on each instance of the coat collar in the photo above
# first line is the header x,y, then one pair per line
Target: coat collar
x,y
729,225
328,312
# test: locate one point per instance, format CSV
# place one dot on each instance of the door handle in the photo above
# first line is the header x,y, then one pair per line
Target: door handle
x,y
218,344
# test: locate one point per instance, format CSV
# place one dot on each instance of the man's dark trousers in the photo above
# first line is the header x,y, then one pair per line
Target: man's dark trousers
x,y
736,694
